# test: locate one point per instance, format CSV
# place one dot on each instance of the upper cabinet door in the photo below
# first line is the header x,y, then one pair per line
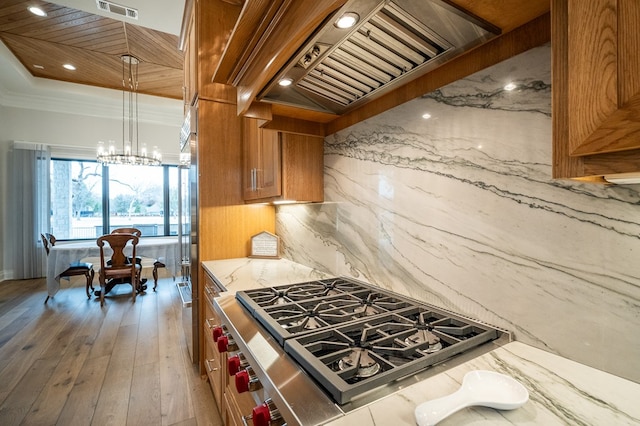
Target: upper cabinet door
x,y
596,87
261,161
269,174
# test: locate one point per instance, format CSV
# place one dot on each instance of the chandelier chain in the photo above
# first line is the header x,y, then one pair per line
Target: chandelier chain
x,y
131,153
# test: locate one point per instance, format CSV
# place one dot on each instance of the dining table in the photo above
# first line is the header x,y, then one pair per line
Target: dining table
x,y
64,253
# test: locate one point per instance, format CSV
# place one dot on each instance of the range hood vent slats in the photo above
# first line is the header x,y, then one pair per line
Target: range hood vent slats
x,y
338,84
385,52
345,79
391,42
324,89
428,45
361,66
421,30
374,60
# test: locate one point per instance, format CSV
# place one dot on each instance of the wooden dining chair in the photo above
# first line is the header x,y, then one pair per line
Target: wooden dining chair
x,y
120,266
157,263
137,233
74,269
134,231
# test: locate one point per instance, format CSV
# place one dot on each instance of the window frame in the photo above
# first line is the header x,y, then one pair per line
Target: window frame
x,y
106,217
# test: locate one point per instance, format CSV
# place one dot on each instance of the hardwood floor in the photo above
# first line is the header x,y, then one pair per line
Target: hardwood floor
x,y
71,363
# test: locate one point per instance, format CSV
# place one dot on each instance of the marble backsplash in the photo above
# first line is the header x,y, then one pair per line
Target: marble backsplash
x,y
459,210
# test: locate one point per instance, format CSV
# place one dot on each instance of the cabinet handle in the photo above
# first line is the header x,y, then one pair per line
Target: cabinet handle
x,y
254,179
208,323
207,363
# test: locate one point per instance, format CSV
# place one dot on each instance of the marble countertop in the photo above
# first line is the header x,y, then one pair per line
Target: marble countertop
x,y
561,391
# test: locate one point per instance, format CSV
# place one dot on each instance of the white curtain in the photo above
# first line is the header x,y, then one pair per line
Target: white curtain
x,y
29,208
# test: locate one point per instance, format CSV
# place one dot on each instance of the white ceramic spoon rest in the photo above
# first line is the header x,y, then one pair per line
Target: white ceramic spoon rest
x,y
486,388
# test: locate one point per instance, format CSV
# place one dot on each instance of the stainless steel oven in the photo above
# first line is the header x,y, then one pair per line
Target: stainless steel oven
x,y
311,352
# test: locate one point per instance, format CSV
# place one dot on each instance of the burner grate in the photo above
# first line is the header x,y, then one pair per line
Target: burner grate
x,y
280,295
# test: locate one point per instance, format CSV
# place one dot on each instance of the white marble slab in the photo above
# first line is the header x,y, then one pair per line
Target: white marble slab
x,y
460,210
249,273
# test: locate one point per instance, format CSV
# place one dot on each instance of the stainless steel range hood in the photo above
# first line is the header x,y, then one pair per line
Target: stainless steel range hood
x,y
393,41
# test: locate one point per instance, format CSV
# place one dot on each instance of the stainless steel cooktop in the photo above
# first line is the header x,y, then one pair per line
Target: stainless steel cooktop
x,y
353,338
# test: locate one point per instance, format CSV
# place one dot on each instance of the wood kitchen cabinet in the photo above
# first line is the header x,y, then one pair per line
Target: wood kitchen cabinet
x,y
261,148
237,405
213,366
214,361
595,88
281,166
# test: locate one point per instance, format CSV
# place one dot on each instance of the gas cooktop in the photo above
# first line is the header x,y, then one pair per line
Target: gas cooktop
x,y
351,337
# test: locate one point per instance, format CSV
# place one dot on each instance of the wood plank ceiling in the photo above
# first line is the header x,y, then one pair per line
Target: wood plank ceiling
x,y
93,44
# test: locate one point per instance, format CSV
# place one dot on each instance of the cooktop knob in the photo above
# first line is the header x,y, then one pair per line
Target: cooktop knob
x,y
223,343
246,380
217,332
236,363
261,415
226,343
242,381
266,414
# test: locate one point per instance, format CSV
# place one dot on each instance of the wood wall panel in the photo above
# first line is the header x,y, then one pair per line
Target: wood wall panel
x,y
505,14
219,154
251,21
297,126
215,22
226,231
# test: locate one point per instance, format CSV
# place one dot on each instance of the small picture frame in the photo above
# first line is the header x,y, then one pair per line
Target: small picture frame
x,y
265,245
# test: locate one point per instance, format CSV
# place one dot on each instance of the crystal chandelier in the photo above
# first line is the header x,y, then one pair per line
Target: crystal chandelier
x,y
139,157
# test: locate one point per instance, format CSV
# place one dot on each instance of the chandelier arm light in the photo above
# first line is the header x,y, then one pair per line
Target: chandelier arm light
x,y
128,156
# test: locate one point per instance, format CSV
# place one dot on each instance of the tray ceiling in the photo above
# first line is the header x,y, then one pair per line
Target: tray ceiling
x,y
93,44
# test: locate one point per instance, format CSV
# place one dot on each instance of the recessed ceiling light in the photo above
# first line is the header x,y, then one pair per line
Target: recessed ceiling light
x,y
426,116
347,20
69,67
37,11
510,86
285,82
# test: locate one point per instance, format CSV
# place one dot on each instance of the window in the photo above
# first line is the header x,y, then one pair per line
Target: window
x,y
89,200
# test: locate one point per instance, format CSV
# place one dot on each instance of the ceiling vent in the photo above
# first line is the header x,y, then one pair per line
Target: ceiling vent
x,y
117,9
